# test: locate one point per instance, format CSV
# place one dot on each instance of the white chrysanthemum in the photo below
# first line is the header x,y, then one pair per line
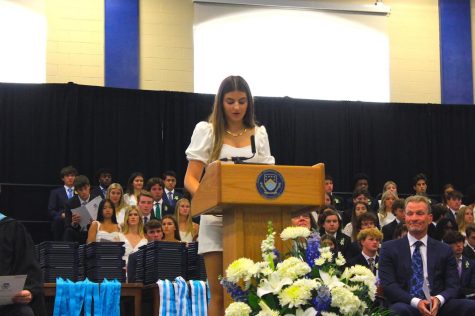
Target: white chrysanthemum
x,y
293,268
242,268
238,309
346,301
294,232
320,261
340,260
326,254
297,294
263,268
329,314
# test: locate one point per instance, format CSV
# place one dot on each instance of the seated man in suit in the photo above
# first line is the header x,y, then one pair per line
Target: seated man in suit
x,y
465,266
420,184
330,223
335,200
410,264
72,230
454,201
57,201
155,186
171,195
369,240
469,250
104,176
398,211
145,205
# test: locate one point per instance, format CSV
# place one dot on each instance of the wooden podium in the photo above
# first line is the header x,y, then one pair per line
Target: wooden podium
x,y
231,190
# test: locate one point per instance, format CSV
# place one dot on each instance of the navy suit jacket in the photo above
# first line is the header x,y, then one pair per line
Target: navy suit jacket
x,y
361,260
451,216
171,204
388,230
468,252
57,202
467,279
395,270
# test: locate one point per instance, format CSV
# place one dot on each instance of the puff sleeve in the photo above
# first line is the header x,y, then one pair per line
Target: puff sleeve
x,y
262,146
201,143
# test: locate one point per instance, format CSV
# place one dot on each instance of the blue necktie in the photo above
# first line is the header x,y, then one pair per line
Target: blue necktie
x,y
70,193
417,280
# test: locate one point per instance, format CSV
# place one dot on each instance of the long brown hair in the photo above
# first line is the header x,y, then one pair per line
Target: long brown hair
x,y
217,117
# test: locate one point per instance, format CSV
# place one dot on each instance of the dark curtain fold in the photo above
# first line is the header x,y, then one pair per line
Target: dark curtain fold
x,y
45,127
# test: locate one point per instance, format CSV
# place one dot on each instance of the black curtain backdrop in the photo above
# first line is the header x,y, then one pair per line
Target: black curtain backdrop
x,y
47,126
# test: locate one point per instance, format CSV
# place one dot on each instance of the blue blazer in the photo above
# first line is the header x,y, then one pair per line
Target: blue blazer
x,y
467,279
171,204
57,202
395,270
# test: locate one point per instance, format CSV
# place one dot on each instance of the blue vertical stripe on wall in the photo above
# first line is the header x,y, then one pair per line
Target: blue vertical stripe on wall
x,y
122,43
456,52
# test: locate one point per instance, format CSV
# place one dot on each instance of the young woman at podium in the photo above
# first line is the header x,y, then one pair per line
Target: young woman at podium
x,y
226,134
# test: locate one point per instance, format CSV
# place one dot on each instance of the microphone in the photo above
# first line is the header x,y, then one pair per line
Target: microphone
x,y
238,160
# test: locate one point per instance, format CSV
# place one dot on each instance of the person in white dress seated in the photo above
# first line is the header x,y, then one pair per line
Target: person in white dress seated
x,y
385,213
132,232
188,229
134,187
115,193
170,229
105,228
226,134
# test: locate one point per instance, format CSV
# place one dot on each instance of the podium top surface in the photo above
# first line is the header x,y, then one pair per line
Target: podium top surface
x,y
229,185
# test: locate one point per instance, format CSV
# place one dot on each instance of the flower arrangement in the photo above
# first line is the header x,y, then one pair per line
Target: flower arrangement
x,y
311,281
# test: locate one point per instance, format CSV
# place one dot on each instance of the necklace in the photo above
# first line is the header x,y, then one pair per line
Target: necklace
x,y
236,134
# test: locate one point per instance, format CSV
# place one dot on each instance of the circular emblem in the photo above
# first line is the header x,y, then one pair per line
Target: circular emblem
x,y
270,184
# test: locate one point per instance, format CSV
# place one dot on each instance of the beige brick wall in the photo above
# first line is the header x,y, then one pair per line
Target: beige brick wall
x,y
75,41
414,51
166,45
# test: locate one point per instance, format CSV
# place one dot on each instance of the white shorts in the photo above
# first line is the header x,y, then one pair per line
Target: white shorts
x,y
210,237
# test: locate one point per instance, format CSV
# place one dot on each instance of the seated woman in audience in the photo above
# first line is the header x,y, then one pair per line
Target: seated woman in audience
x,y
448,187
358,209
132,233
388,186
115,193
170,229
105,228
188,230
385,213
464,218
305,220
134,186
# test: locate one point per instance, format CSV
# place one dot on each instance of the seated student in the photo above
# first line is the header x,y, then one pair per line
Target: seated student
x,y
443,226
104,176
105,228
153,230
170,229
358,209
398,212
449,187
420,182
365,221
464,218
405,263
438,212
72,230
388,186
187,229
361,182
385,215
171,194
369,240
134,186
115,194
359,195
400,231
465,266
330,223
335,200
145,205
454,202
155,187
469,250
132,234
17,257
57,201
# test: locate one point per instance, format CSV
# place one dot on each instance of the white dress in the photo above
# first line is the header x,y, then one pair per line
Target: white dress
x,y
128,247
102,235
211,227
130,199
385,220
186,236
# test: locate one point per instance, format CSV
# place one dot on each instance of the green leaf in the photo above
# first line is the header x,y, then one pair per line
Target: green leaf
x,y
253,301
